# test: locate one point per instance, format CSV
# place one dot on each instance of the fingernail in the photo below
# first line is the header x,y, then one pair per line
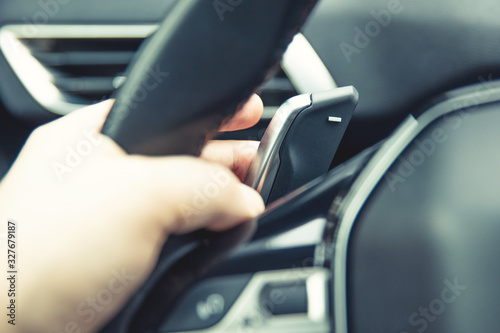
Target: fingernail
x,y
253,200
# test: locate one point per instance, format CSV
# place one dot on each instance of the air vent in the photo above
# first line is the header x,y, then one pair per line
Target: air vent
x,y
67,67
84,70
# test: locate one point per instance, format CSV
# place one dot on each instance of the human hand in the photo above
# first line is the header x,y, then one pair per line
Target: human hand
x,y
92,219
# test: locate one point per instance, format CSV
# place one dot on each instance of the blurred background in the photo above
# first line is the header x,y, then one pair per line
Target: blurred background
x,y
59,55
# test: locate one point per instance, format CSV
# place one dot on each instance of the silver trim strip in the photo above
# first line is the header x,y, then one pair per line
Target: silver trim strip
x,y
82,31
305,69
370,177
34,76
317,297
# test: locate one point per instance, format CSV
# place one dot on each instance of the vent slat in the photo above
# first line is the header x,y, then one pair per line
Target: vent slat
x,y
82,44
84,58
85,85
76,71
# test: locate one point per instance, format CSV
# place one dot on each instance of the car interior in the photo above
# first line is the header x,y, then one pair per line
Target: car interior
x,y
378,160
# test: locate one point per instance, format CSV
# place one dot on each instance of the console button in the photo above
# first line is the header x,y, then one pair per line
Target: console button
x,y
205,304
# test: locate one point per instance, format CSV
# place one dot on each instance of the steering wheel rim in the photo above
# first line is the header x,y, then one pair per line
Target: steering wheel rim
x,y
142,126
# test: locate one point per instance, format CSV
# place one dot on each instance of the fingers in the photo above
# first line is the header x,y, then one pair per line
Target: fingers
x,y
183,194
235,155
249,115
211,197
95,115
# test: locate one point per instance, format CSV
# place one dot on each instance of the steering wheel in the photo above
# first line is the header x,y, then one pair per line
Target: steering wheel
x,y
205,59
